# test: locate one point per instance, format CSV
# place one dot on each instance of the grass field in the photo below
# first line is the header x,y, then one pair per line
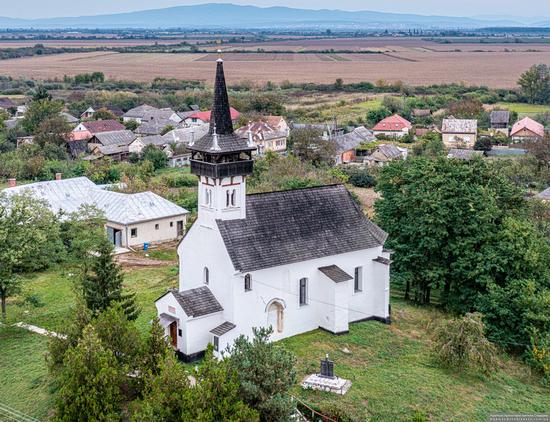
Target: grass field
x,y
412,65
24,383
395,379
524,109
53,295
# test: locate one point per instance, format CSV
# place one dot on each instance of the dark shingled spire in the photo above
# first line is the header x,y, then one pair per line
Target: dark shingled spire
x,y
226,140
220,117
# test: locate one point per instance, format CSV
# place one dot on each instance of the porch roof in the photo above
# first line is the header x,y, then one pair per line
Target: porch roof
x,y
223,328
335,273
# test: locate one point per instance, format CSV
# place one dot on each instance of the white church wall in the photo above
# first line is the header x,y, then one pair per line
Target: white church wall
x,y
198,333
169,305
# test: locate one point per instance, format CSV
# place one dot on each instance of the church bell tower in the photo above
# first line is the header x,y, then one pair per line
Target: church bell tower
x,y
222,161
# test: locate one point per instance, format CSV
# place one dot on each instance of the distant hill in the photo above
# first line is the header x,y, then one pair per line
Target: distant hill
x,y
213,15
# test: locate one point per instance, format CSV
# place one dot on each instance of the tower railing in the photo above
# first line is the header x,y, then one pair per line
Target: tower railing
x,y
219,170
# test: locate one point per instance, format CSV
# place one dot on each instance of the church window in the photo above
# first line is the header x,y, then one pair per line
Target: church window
x,y
358,279
206,275
227,198
303,291
233,198
247,283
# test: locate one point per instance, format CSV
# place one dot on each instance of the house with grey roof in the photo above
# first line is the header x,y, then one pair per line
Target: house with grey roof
x,y
347,143
385,153
292,260
500,121
464,154
459,132
131,219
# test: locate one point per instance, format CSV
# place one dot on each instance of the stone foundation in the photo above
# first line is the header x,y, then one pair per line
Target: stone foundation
x,y
333,385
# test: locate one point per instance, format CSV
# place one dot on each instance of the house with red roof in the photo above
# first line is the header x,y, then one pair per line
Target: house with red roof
x,y
527,129
86,130
201,117
395,126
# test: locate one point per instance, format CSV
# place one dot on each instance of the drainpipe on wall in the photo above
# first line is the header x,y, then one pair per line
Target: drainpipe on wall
x,y
127,244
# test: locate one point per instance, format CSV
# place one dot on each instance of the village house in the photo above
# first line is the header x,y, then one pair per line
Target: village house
x,y
464,154
145,113
421,113
268,134
88,114
203,117
156,126
293,260
459,132
20,111
385,153
185,135
69,118
346,144
527,129
500,119
87,130
393,126
6,104
131,219
139,143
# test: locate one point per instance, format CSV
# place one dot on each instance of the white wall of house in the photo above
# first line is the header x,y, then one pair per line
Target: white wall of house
x,y
454,139
136,146
147,232
392,133
169,305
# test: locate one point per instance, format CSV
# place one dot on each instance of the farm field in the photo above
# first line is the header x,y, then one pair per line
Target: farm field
x,y
414,67
524,109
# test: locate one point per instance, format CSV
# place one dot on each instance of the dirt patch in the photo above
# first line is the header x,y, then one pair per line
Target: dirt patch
x,y
135,260
368,197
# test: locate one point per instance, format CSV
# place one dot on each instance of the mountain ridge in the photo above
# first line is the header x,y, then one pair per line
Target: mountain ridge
x,y
227,15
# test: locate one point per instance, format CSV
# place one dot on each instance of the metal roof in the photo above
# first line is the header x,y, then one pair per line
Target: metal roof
x,y
68,195
117,137
459,126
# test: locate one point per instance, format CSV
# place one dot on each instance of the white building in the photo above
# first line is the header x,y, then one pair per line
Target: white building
x,y
294,260
131,219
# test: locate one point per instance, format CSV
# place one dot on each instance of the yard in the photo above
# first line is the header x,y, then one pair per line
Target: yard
x,y
392,373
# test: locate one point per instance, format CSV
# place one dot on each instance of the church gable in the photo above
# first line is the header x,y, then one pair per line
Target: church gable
x,y
299,225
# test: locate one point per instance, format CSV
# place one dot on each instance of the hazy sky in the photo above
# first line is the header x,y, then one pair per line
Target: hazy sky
x,y
56,8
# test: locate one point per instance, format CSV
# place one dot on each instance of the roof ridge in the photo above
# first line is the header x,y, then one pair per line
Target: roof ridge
x,y
297,189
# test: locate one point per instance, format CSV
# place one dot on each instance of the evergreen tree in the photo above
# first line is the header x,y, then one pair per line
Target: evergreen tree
x,y
102,284
266,374
155,349
89,382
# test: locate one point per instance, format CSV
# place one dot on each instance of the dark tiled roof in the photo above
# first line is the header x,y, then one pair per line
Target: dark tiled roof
x,y
6,102
103,126
221,329
335,273
118,137
382,260
292,226
500,116
198,302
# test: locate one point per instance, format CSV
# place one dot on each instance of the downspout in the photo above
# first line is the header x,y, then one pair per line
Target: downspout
x,y
127,244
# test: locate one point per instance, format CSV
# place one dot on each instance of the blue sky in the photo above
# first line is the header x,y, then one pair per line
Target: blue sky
x,y
55,8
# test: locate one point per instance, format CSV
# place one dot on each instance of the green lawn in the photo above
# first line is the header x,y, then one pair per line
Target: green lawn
x,y
24,381
525,109
395,379
53,296
393,375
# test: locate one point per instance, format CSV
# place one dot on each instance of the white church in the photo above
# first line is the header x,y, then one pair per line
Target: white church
x,y
294,260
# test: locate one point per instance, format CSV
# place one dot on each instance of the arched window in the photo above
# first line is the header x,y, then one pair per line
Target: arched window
x,y
206,275
227,198
247,283
234,197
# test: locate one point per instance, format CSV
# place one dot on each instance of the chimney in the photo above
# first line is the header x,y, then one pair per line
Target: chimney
x,y
12,182
58,176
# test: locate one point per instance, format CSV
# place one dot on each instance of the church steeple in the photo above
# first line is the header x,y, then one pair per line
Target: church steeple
x,y
222,160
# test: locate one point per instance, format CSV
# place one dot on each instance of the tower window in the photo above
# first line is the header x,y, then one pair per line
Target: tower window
x,y
234,197
303,291
206,275
247,283
227,198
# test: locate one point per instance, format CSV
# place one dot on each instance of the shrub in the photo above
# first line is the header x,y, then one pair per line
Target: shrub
x,y
538,355
360,177
461,344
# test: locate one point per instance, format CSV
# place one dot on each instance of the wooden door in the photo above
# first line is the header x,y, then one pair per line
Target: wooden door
x,y
174,334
